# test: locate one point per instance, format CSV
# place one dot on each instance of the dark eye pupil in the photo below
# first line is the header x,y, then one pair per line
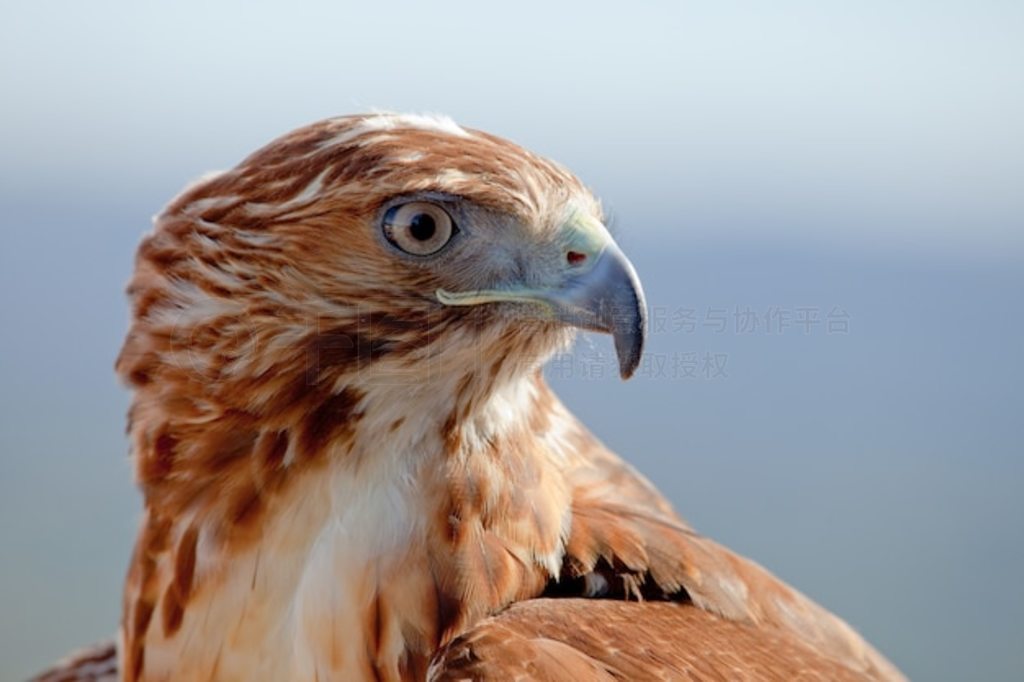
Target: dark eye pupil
x,y
422,227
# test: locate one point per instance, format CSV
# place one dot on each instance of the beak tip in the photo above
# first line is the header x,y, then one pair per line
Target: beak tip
x,y
629,344
626,313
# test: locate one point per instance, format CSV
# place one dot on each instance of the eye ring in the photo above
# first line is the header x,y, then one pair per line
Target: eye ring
x,y
419,228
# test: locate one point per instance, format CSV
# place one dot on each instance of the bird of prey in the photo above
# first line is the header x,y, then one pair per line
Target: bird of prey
x,y
352,467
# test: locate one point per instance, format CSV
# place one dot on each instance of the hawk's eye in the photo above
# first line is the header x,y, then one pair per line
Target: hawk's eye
x,y
419,227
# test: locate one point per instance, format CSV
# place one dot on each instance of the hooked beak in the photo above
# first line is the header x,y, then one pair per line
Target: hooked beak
x,y
602,295
607,298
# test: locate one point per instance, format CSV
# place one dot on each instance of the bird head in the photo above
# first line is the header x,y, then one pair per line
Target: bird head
x,y
390,245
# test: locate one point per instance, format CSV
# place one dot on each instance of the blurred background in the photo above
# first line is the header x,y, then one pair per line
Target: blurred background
x,y
825,202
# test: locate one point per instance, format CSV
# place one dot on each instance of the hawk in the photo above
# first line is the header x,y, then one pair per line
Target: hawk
x,y
352,467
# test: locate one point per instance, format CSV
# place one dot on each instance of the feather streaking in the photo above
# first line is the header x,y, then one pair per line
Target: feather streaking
x,y
345,478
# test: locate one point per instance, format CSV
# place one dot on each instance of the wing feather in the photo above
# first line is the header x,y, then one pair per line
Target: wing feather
x,y
624,531
587,639
96,663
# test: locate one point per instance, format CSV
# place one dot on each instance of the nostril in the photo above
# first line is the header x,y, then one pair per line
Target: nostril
x,y
575,257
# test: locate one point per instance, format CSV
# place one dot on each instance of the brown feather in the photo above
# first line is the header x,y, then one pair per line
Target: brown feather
x,y
342,475
583,640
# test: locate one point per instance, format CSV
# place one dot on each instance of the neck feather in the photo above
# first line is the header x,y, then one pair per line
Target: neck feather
x,y
416,508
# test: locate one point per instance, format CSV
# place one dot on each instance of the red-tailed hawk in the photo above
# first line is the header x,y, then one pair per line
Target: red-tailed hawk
x,y
352,466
